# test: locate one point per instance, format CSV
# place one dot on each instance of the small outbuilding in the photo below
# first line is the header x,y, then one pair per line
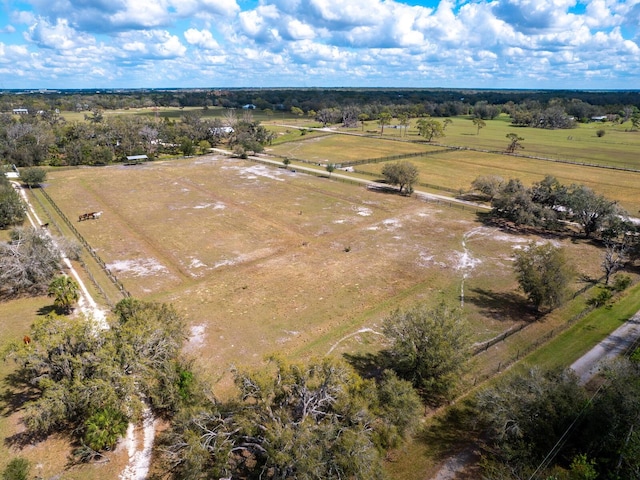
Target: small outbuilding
x,y
20,111
136,159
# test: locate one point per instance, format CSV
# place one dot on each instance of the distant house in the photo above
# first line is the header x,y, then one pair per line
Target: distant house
x,y
600,118
249,106
20,111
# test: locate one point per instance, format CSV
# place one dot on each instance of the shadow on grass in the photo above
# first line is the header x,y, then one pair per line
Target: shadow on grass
x,y
15,394
453,431
46,310
370,365
503,306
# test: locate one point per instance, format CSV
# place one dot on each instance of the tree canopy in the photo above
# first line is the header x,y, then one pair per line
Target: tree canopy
x,y
543,274
12,210
430,346
293,420
27,263
88,383
403,173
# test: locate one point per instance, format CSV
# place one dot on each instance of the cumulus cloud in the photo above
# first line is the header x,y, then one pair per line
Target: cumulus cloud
x,y
59,36
158,44
528,43
532,16
201,38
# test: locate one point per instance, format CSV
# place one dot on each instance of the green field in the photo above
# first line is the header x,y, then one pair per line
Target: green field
x,y
482,155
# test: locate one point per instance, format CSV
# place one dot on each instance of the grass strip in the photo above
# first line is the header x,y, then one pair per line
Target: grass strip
x,y
570,345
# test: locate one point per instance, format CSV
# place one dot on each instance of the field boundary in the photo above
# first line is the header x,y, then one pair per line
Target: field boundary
x,y
538,342
117,283
449,148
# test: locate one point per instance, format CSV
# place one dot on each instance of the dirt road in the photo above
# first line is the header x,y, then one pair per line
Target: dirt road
x,y
138,441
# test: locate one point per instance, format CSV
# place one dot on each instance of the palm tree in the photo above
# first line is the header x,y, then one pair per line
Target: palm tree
x,y
65,292
104,428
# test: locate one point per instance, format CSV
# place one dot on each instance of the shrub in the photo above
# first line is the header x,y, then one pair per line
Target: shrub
x,y
600,133
621,282
17,469
33,176
599,299
104,428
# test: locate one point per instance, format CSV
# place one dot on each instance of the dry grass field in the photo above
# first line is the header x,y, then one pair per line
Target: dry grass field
x,y
264,260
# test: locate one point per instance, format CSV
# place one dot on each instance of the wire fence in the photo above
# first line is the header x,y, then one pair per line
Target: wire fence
x,y
535,344
117,283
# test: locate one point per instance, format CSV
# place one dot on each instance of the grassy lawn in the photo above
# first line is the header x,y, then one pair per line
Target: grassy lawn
x,y
345,148
618,147
456,169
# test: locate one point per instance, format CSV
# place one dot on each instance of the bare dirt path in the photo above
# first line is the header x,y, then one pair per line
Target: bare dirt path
x,y
139,452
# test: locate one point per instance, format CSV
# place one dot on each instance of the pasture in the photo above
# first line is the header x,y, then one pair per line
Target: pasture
x,y
263,260
457,168
617,148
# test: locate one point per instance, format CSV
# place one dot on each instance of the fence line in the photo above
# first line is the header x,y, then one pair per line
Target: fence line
x,y
365,161
80,260
537,342
118,284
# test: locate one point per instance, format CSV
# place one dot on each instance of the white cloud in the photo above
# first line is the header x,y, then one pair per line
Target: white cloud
x,y
59,36
201,38
327,42
299,31
158,44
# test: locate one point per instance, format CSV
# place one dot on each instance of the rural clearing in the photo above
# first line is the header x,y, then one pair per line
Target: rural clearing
x,y
263,260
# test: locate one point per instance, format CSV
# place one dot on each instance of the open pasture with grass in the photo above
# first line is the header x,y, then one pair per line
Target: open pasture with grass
x,y
457,168
618,147
346,148
262,260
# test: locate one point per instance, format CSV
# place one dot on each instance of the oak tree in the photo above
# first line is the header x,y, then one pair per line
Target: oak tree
x,y
543,274
430,346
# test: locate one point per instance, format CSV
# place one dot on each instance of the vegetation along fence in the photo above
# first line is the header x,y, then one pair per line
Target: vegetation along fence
x,y
118,284
539,341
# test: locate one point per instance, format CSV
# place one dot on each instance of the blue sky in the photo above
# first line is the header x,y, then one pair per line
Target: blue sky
x,y
571,44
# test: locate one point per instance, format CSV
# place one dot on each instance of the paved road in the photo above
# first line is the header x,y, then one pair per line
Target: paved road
x,y
614,345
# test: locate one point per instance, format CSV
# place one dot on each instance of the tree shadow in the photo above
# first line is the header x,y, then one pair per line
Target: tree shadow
x,y
46,310
15,394
502,306
473,197
452,432
370,365
381,187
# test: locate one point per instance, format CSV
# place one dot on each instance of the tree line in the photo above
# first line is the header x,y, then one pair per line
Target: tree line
x,y
44,137
437,102
325,418
544,424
